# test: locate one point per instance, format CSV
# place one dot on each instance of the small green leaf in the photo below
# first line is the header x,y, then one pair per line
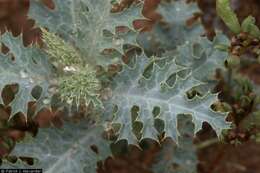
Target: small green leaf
x,y
249,26
228,16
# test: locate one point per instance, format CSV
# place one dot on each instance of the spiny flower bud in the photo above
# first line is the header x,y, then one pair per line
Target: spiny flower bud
x,y
59,50
81,86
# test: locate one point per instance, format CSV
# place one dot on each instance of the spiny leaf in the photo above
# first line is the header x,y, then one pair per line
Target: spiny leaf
x,y
90,26
63,150
161,83
175,30
28,69
177,11
228,16
178,158
21,100
201,54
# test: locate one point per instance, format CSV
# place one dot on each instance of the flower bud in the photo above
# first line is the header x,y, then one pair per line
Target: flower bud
x,y
58,50
82,86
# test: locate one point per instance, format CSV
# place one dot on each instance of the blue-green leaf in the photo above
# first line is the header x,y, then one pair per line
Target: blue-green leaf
x,y
163,82
29,69
63,150
90,26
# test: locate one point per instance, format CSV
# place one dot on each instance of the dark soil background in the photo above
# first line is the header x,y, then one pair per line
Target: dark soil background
x,y
215,158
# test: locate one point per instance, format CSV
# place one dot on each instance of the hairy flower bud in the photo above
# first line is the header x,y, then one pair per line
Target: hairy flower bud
x,y
58,50
79,87
79,84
